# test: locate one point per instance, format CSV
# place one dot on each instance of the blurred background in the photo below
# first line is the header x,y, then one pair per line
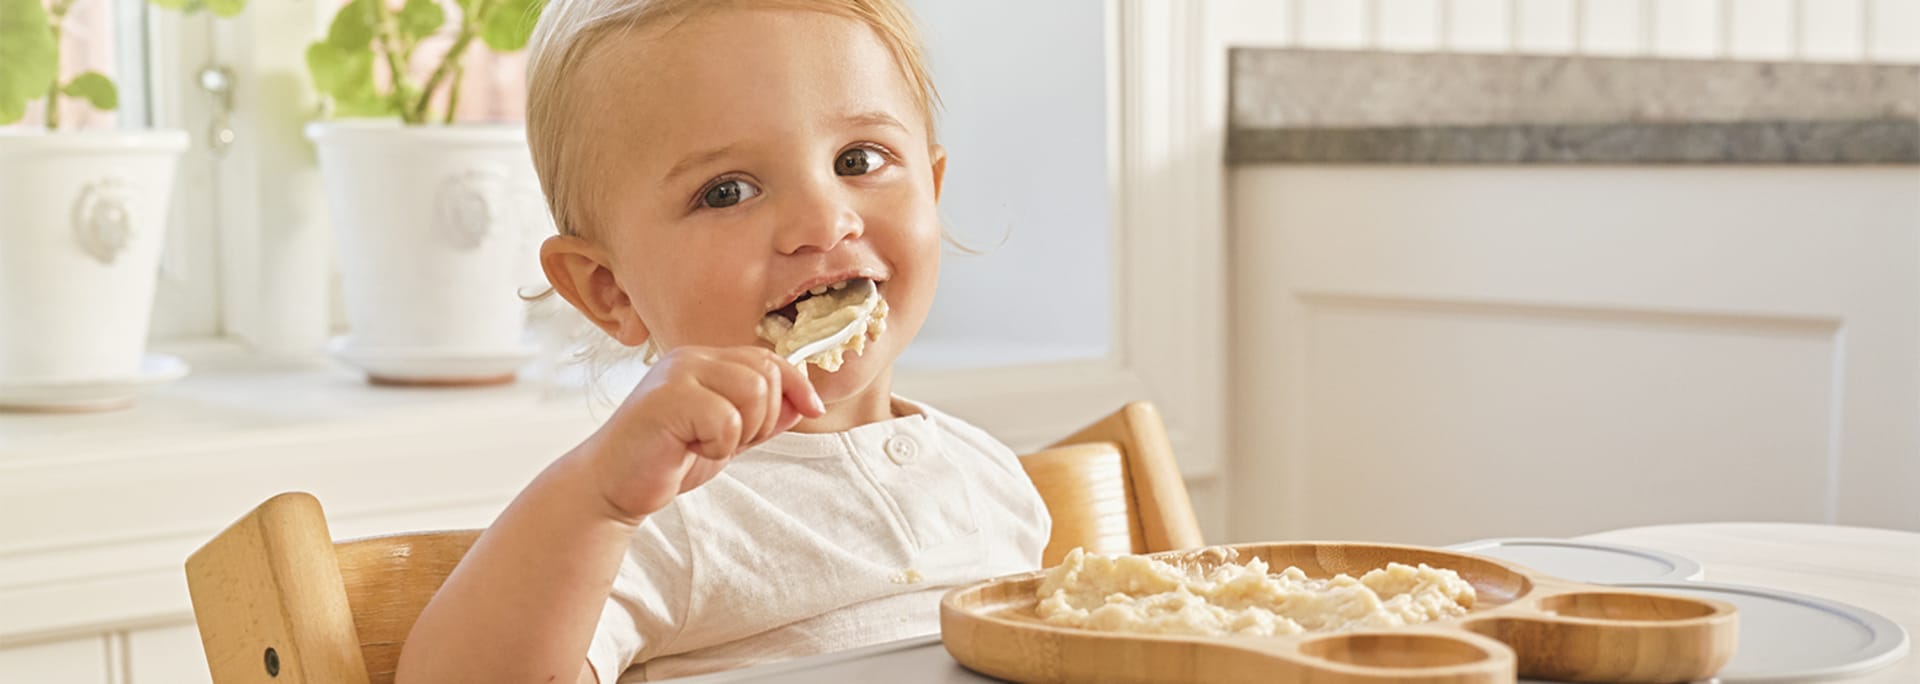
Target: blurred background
x,y
1417,271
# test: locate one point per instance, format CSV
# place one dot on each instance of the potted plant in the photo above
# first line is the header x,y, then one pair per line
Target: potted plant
x,y
83,222
437,223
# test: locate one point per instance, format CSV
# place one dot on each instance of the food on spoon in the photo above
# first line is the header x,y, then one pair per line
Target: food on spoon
x,y
823,312
1132,593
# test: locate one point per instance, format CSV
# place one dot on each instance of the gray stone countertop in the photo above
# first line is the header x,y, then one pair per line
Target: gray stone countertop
x,y
1341,107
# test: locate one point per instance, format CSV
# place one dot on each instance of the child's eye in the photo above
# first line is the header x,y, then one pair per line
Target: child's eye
x,y
727,193
858,161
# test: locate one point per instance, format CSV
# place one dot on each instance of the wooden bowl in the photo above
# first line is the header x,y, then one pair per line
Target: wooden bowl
x,y
1523,623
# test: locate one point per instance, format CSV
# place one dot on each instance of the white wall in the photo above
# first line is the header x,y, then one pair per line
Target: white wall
x,y
1811,30
1347,406
1430,354
1025,126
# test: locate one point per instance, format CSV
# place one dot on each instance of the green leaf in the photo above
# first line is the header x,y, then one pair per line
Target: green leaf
x,y
96,88
353,26
226,8
509,24
340,73
169,4
420,18
28,57
346,76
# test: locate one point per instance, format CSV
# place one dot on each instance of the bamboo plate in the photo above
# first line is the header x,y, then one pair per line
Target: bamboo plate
x,y
1523,623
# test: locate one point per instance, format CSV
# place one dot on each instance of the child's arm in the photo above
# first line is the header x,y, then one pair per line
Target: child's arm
x,y
523,604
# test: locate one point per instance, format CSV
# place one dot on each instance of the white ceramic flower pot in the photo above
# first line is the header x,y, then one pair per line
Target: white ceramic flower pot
x,y
83,218
438,231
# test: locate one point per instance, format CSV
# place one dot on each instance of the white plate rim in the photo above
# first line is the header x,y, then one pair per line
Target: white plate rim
x,y
431,365
1684,569
342,347
1890,641
92,394
155,368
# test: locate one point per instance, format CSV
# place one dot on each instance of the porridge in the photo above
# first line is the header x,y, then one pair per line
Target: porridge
x,y
823,312
1129,593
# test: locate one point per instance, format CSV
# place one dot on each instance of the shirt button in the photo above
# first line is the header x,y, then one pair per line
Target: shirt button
x,y
902,449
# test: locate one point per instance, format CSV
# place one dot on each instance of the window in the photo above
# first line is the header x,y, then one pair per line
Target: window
x,y
95,38
1027,182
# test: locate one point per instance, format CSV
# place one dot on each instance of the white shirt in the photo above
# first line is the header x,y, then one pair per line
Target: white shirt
x,y
811,543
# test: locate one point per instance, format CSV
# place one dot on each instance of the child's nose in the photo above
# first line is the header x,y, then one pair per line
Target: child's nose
x,y
819,219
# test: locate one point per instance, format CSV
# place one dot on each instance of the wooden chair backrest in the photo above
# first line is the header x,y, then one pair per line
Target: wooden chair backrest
x,y
1114,487
279,602
389,581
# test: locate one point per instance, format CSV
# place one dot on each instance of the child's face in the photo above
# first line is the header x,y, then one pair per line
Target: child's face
x,y
743,156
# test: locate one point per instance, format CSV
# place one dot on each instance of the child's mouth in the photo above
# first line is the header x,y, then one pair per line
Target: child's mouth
x,y
791,311
819,313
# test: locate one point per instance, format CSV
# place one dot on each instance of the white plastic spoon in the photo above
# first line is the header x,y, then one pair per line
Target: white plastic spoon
x,y
869,299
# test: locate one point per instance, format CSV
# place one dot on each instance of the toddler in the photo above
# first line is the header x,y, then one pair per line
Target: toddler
x,y
711,163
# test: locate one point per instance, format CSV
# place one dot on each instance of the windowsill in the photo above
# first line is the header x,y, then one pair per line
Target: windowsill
x,y
232,395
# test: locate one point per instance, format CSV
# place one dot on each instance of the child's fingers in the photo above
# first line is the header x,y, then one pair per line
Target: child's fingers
x,y
715,424
776,401
787,386
798,389
767,365
743,386
788,418
782,413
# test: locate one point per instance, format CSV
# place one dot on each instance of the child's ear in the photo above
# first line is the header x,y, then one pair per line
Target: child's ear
x,y
578,270
938,153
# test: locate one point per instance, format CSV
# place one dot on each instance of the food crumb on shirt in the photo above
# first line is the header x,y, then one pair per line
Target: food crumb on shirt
x,y
908,576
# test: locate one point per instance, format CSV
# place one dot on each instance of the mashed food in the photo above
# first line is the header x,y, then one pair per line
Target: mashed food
x,y
822,314
1139,594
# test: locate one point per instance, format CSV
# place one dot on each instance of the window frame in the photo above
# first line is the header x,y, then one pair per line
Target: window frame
x,y
167,95
253,212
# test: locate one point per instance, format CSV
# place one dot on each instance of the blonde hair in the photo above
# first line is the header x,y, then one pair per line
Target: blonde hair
x,y
569,30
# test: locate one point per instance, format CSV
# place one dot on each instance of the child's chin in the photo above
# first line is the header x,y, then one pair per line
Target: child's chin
x,y
856,375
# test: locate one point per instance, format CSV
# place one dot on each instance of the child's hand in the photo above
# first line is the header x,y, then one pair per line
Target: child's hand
x,y
695,409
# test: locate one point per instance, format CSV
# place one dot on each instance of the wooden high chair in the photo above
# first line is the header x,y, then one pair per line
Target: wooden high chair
x,y
278,600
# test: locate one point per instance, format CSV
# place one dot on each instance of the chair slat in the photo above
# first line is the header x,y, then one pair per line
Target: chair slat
x,y
1086,490
1163,507
389,580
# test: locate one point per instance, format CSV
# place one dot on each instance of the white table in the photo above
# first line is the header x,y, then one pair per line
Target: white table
x,y
1875,569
